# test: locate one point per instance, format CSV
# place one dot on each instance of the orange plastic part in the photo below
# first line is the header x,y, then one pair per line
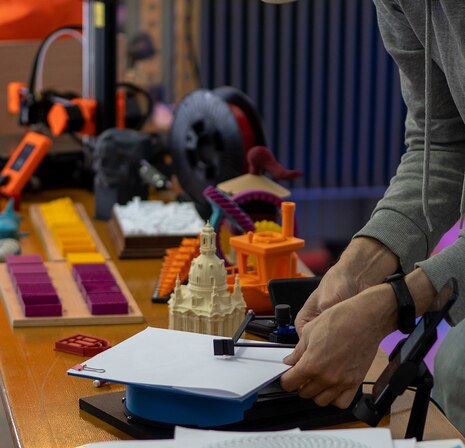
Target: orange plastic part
x,y
58,117
30,19
177,262
14,93
264,256
121,109
23,162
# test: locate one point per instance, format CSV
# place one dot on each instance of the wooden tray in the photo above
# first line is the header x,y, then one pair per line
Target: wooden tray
x,y
51,247
75,311
139,246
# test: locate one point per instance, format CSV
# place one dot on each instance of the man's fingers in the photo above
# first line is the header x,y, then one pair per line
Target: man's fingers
x,y
313,388
344,400
330,396
297,376
326,396
294,357
303,317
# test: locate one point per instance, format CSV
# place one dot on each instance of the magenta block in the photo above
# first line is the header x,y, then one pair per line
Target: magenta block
x,y
23,259
79,269
42,310
107,303
90,267
40,299
95,277
38,293
29,278
37,288
91,287
27,268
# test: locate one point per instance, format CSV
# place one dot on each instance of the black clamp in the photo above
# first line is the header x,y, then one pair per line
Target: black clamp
x,y
225,347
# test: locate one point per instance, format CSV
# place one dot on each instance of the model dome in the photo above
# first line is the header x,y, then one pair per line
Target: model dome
x,y
205,304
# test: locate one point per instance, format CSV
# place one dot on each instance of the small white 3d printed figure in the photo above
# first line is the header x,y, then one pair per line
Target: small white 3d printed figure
x,y
205,305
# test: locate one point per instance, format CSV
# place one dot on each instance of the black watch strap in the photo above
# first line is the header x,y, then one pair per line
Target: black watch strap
x,y
405,304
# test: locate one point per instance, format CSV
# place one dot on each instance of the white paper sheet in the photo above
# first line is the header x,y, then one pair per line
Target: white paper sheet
x,y
185,361
195,438
450,443
405,443
191,438
371,437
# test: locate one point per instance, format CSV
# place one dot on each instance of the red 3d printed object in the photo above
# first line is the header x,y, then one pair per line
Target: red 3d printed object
x,y
82,345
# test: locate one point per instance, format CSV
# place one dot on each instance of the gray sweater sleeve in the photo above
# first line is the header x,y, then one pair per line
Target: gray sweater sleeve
x,y
398,220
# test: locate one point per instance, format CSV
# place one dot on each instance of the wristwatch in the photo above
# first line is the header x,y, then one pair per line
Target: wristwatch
x,y
405,304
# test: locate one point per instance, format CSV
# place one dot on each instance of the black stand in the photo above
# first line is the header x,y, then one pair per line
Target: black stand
x,y
373,407
407,369
417,420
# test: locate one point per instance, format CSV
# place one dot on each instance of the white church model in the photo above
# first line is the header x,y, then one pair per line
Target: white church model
x,y
205,305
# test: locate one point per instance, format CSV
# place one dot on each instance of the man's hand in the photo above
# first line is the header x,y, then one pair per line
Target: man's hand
x,y
365,262
336,286
337,348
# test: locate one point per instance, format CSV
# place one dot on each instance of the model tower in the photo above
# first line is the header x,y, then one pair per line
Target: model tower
x,y
205,304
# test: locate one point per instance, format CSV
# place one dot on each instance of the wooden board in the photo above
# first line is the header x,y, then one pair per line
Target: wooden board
x,y
75,311
140,246
51,247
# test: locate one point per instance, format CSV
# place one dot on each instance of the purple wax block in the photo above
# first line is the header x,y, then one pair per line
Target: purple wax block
x,y
23,259
39,293
43,310
28,278
107,303
95,277
37,288
90,267
27,268
40,299
78,269
91,287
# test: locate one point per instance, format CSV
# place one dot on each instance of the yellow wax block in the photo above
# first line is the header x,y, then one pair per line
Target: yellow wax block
x,y
52,224
75,234
78,249
74,238
64,213
57,206
58,218
69,227
69,230
80,258
58,202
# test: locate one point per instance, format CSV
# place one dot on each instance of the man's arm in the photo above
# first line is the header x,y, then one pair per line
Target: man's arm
x,y
339,339
398,220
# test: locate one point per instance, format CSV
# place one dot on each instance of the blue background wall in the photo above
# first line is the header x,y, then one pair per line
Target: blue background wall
x,y
328,94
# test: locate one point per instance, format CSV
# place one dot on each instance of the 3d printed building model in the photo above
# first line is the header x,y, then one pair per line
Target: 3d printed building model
x,y
264,256
205,305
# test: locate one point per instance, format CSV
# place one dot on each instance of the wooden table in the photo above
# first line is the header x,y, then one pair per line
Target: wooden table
x,y
42,401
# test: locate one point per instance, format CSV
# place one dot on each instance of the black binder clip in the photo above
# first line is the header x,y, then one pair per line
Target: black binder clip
x,y
281,337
